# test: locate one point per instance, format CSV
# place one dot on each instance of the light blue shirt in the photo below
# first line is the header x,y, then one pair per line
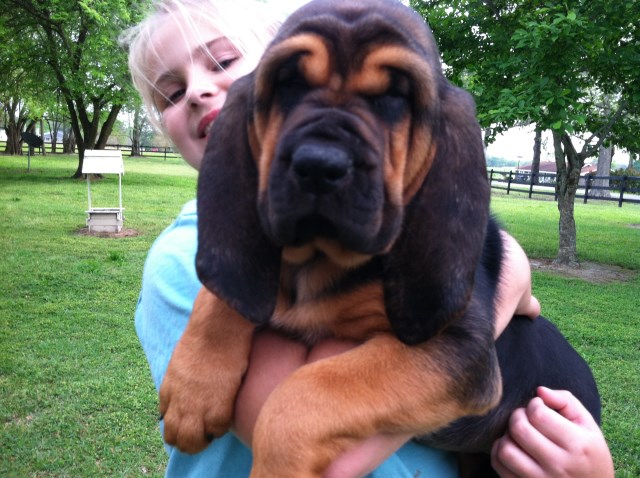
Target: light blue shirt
x,y
169,288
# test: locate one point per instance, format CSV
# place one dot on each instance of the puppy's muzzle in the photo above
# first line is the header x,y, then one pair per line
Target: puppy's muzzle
x,y
326,181
321,169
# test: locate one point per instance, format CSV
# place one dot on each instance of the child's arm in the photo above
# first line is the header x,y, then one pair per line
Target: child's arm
x,y
514,290
554,436
274,357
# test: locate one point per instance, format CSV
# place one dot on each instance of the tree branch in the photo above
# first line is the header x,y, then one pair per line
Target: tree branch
x,y
492,7
603,133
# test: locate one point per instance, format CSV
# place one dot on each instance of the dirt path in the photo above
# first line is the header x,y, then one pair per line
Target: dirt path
x,y
588,271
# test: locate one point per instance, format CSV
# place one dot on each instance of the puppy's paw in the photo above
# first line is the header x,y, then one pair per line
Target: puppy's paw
x,y
199,389
196,401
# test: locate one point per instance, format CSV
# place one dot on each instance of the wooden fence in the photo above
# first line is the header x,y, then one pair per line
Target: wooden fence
x,y
621,188
145,151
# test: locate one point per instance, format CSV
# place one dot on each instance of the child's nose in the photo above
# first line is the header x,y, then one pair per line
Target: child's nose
x,y
202,91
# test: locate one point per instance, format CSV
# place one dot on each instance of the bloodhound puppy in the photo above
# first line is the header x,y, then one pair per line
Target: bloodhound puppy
x,y
344,193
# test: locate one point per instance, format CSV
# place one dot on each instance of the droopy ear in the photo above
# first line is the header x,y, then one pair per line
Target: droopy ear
x,y
429,273
235,259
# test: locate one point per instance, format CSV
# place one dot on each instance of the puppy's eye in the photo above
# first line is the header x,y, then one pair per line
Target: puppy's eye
x,y
392,105
291,85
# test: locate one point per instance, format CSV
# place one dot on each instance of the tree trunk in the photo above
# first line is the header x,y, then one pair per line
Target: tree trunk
x,y
136,131
15,121
135,143
54,137
568,175
107,126
43,148
605,154
537,148
95,137
487,134
567,253
81,150
68,141
14,146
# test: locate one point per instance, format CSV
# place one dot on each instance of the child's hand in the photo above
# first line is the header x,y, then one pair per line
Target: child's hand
x,y
554,436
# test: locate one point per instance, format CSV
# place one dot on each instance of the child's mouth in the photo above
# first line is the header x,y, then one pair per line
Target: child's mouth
x,y
206,122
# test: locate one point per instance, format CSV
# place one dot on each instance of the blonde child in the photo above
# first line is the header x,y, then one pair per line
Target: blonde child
x,y
183,58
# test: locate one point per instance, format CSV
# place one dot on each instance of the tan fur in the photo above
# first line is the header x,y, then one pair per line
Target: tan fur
x,y
344,399
356,315
316,64
204,373
420,158
412,150
268,143
325,407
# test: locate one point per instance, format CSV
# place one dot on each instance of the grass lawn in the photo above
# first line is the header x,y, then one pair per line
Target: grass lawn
x,y
76,396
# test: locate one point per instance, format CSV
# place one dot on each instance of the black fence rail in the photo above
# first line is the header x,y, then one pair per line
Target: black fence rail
x,y
148,151
25,148
620,189
145,151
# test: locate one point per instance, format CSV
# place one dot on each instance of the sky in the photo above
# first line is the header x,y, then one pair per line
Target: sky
x,y
291,5
517,144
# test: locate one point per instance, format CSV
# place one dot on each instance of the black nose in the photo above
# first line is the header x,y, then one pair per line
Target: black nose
x,y
321,169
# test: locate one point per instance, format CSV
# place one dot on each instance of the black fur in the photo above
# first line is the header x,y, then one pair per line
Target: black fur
x,y
235,259
442,270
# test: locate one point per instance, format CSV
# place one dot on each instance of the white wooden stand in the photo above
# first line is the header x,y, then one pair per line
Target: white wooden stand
x,y
97,161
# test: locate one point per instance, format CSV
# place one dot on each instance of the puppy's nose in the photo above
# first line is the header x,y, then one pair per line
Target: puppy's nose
x,y
321,169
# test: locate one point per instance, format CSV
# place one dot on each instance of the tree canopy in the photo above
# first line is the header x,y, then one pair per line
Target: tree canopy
x,y
550,63
75,45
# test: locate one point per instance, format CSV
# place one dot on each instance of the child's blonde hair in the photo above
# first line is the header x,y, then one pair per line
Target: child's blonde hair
x,y
248,24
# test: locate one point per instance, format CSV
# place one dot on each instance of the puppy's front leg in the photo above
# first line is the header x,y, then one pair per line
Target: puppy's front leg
x,y
326,407
199,389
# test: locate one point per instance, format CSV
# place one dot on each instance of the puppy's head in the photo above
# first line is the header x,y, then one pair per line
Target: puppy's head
x,y
345,104
345,142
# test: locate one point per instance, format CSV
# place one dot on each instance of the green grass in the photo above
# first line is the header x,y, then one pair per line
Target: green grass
x,y
77,399
605,232
76,396
602,320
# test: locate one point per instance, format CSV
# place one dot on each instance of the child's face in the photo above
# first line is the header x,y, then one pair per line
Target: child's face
x,y
191,81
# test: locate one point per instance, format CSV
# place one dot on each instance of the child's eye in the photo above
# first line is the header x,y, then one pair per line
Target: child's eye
x,y
175,96
222,54
166,97
224,63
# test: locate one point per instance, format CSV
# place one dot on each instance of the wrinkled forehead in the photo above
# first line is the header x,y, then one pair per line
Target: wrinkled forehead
x,y
360,26
355,46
